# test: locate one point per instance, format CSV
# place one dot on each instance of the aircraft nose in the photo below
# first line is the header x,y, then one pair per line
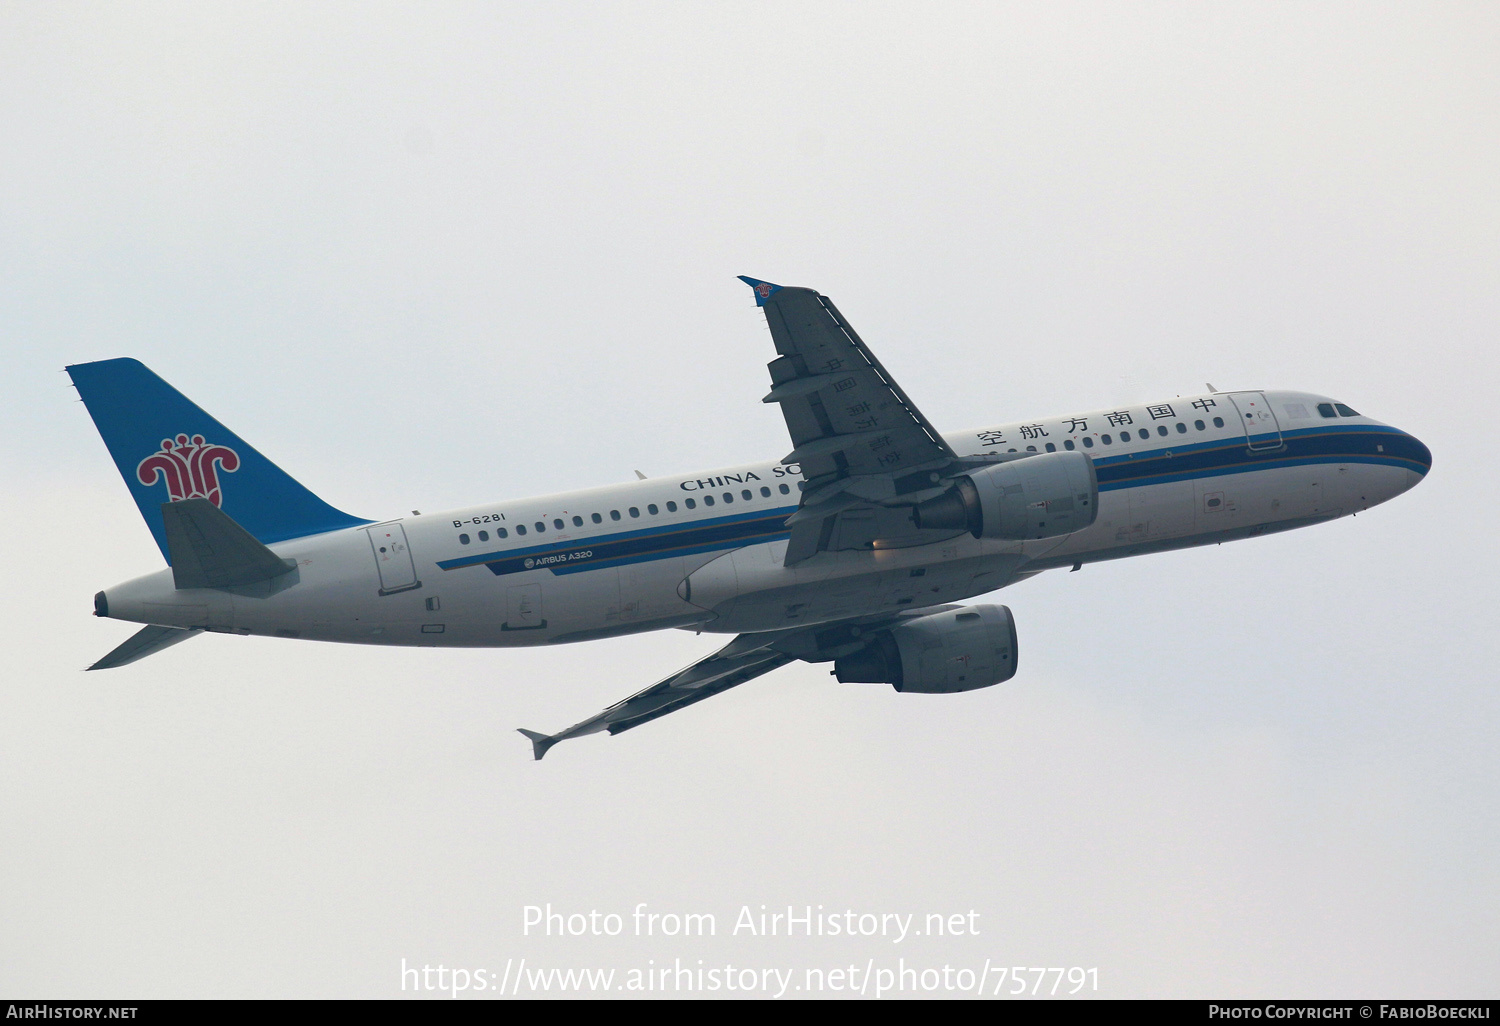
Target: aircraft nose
x,y
1419,453
1416,456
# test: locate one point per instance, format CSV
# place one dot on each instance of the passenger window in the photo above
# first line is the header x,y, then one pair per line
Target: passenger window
x,y
708,500
1218,422
785,490
614,514
728,496
765,493
578,521
501,533
463,539
1144,434
651,508
635,511
1088,443
558,524
1344,411
690,503
1051,447
520,528
484,536
1068,443
541,527
671,507
1326,410
596,518
1199,425
1105,439
747,495
1161,429
1181,428
1031,448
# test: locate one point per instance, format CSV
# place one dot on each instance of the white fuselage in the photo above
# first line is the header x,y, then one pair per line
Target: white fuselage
x,y
706,550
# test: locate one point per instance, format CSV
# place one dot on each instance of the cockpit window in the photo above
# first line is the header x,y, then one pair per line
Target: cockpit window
x,y
1326,410
1344,411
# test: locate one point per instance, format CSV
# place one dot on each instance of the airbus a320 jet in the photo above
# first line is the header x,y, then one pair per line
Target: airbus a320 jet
x,y
855,548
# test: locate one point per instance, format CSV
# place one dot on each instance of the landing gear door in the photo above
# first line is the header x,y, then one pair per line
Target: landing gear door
x,y
1262,430
393,558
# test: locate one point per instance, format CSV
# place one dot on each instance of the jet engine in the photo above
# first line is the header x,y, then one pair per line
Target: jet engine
x,y
1040,496
938,654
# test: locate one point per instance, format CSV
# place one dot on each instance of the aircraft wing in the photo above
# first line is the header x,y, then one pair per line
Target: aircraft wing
x,y
744,658
861,443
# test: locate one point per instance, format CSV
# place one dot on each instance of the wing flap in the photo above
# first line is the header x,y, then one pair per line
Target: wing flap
x,y
857,438
844,412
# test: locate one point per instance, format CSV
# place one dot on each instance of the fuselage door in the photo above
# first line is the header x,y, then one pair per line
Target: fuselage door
x,y
523,608
1262,431
393,558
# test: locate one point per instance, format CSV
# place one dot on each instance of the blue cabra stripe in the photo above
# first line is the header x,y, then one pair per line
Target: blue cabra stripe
x,y
649,543
1116,471
1220,457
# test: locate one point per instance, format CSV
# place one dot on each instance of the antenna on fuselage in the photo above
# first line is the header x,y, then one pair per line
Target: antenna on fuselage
x,y
1211,387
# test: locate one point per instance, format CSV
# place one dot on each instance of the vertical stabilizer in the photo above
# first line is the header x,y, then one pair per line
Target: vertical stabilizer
x,y
168,449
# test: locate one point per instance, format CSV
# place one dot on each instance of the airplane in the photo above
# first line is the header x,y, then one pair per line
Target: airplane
x,y
856,548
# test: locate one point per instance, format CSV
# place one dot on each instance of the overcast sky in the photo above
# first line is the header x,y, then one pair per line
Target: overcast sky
x,y
429,255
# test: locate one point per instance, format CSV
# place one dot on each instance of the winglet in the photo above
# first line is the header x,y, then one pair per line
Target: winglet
x,y
539,742
764,290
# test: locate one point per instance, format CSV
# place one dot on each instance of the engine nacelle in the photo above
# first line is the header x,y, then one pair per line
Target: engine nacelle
x,y
1041,496
938,654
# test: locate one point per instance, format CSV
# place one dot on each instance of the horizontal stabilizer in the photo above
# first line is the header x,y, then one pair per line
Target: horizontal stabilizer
x,y
539,742
207,549
144,642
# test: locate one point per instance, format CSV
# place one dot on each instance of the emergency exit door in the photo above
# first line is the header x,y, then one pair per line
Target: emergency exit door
x,y
523,608
393,558
1262,431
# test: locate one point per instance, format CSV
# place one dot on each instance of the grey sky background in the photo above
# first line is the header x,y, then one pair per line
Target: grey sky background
x,y
428,255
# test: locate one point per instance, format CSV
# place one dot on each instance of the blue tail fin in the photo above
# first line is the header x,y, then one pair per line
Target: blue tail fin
x,y
169,449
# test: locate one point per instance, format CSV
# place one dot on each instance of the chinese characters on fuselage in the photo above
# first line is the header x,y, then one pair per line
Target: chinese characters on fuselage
x,y
1073,427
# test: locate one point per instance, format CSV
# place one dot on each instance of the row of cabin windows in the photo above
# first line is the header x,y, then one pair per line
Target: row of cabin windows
x,y
633,512
1326,410
1142,433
